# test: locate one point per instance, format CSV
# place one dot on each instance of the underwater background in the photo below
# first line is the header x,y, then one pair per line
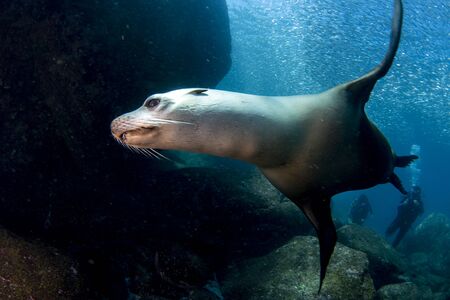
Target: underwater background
x,y
300,47
83,218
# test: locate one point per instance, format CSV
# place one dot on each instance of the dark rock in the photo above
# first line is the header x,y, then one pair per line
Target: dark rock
x,y
426,248
421,271
428,245
292,272
398,291
202,294
385,263
182,267
439,296
201,220
230,212
29,270
67,68
148,298
172,271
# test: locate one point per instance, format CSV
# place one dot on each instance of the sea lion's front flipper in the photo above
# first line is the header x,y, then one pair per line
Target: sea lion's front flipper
x,y
318,211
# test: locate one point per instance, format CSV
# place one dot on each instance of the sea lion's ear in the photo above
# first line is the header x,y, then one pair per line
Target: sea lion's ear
x,y
198,92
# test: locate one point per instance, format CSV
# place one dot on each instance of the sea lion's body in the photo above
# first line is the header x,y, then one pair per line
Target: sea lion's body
x,y
300,143
310,147
336,153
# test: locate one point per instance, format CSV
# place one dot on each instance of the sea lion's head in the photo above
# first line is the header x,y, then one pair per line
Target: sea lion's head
x,y
160,120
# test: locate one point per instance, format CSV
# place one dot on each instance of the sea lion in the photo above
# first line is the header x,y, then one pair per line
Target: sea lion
x,y
310,147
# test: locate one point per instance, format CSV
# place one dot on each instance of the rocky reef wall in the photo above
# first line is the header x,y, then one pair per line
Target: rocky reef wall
x,y
67,68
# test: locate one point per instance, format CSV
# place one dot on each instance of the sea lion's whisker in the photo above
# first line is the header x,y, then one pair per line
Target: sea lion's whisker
x,y
137,150
127,125
172,121
159,154
148,153
136,122
131,148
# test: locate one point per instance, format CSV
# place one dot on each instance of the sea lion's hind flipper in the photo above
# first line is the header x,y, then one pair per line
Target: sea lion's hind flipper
x,y
361,88
318,211
404,161
397,183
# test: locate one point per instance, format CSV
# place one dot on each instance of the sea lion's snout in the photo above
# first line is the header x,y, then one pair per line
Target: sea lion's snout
x,y
128,129
119,128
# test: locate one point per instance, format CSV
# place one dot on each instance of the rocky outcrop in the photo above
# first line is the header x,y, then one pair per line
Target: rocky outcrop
x,y
431,241
67,68
292,272
184,227
30,270
385,263
257,218
426,248
196,222
405,290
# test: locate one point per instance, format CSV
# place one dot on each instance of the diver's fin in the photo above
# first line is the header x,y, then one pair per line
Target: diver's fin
x,y
360,88
318,211
397,183
404,161
391,229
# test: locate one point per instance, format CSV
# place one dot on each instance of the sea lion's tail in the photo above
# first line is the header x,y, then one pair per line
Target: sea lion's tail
x,y
361,87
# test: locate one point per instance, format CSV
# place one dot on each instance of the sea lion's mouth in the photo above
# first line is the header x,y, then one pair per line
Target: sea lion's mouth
x,y
129,135
138,132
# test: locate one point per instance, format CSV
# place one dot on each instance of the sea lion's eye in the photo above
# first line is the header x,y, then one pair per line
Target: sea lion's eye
x,y
151,103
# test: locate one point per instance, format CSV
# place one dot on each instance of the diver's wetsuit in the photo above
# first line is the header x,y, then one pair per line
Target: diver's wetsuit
x,y
360,210
409,209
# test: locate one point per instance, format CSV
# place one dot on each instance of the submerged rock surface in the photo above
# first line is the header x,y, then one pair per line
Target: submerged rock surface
x,y
34,271
193,214
398,291
67,68
427,249
292,272
386,264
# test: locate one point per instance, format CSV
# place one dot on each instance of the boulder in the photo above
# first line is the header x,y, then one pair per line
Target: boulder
x,y
67,68
227,214
427,246
30,270
198,220
399,291
385,263
292,272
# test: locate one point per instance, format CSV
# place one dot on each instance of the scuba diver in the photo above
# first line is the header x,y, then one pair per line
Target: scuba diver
x,y
409,209
360,210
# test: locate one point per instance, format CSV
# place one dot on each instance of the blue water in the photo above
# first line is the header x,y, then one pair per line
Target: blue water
x,y
298,47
